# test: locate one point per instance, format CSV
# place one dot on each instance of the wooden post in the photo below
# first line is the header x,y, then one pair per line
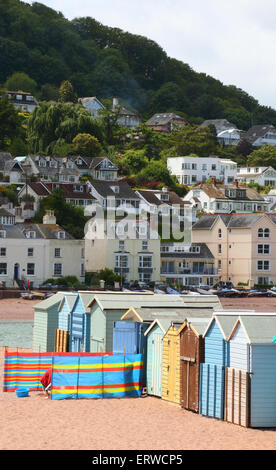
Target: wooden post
x,y
233,393
226,395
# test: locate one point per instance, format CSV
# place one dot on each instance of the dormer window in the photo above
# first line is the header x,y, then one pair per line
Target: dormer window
x,y
78,188
61,235
115,189
19,97
53,164
79,161
3,234
195,249
30,234
29,98
164,197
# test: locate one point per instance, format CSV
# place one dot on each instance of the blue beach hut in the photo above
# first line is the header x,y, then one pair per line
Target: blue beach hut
x,y
79,323
212,371
252,372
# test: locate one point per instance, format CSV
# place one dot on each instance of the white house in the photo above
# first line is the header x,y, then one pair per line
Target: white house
x,y
37,252
229,136
217,198
263,175
261,135
193,170
92,104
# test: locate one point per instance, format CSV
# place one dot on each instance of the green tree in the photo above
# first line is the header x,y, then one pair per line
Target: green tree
x,y
20,81
156,171
133,161
66,93
87,145
51,123
264,156
10,122
68,216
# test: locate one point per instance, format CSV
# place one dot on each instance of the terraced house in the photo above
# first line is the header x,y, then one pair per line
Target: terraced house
x,y
243,246
37,252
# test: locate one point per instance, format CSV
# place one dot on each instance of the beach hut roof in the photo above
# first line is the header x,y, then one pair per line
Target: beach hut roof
x,y
225,323
175,313
198,325
50,302
163,323
70,298
125,301
86,298
259,329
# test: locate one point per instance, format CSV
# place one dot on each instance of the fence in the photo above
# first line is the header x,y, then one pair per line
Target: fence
x,y
99,376
23,369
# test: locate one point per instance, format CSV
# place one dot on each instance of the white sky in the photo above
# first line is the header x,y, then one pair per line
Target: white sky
x,y
231,40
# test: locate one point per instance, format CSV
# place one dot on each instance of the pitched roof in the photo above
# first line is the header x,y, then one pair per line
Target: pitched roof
x,y
255,132
218,123
104,189
151,196
259,329
161,119
204,252
216,191
232,220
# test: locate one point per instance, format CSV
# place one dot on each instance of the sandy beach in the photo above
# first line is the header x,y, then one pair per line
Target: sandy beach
x,y
35,423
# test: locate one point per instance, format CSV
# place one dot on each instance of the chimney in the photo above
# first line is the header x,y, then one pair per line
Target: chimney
x,y
213,181
236,183
115,102
49,218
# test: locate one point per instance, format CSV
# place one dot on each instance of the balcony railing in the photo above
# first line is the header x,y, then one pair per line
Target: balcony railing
x,y
190,272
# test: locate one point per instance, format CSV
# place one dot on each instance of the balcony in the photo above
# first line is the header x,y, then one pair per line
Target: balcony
x,y
190,272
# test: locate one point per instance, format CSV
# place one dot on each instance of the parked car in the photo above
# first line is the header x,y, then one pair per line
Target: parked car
x,y
224,285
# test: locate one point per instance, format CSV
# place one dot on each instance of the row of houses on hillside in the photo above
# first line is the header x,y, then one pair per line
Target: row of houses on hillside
x,y
60,169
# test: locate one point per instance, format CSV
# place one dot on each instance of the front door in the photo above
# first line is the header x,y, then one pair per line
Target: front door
x,y
16,271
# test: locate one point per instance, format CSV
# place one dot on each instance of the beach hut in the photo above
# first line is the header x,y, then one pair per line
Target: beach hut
x,y
46,321
65,309
159,320
212,371
128,337
191,357
106,309
79,323
171,363
250,394
154,335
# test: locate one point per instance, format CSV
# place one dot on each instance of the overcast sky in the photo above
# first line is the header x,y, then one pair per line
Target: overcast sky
x,y
231,40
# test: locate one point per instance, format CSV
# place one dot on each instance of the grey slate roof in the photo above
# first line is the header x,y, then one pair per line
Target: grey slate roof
x,y
204,253
219,124
42,231
161,119
104,189
255,132
232,221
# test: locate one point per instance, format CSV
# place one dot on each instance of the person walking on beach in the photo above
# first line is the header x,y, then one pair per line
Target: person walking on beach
x,y
46,382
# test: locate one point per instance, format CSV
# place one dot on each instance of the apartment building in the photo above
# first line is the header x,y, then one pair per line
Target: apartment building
x,y
193,170
190,266
37,252
135,257
243,246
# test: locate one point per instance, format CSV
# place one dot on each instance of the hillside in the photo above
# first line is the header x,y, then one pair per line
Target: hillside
x,y
105,62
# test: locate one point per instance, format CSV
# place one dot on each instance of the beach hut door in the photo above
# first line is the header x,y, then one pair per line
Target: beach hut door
x,y
237,383
157,348
189,374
